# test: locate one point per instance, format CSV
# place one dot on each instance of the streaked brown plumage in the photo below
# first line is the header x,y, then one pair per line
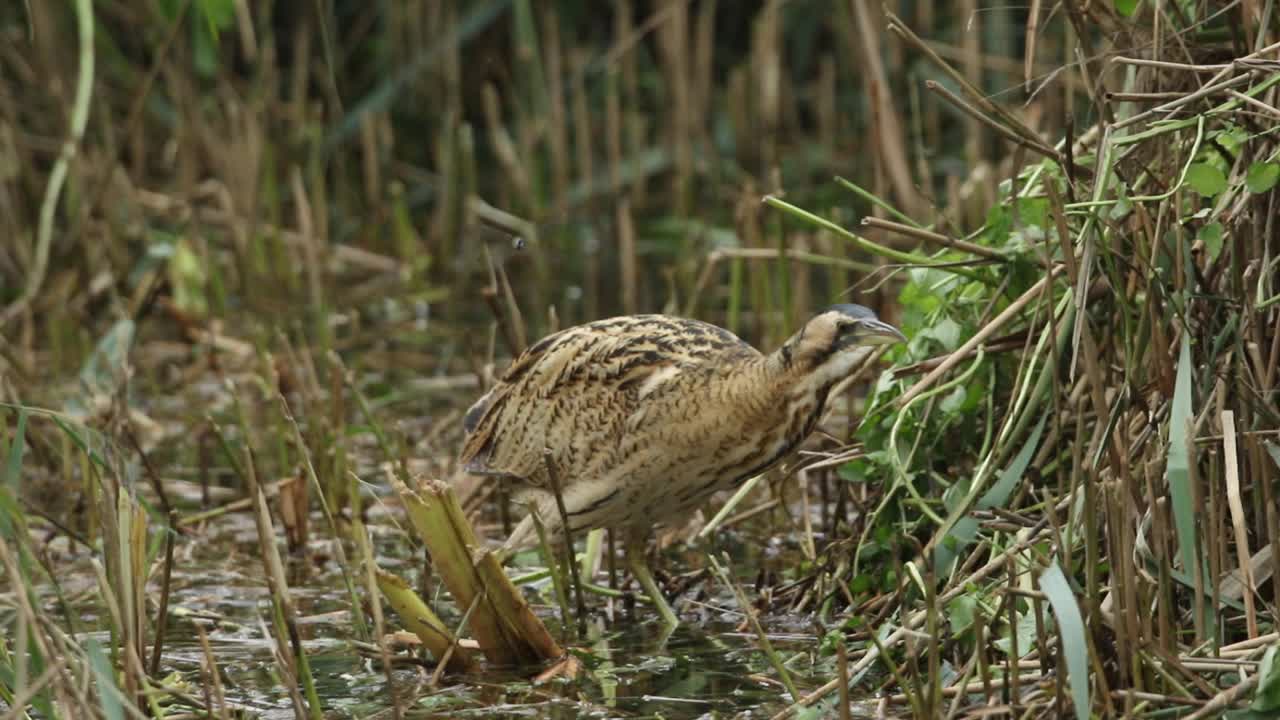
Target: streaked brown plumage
x,y
646,416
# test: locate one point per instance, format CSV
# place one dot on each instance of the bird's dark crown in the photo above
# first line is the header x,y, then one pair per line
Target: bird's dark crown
x,y
857,312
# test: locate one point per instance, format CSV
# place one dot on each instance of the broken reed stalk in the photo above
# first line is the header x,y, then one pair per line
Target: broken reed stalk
x,y
124,533
1238,521
421,621
211,680
512,608
507,630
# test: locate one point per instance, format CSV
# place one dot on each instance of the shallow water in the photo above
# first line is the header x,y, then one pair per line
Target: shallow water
x,y
711,666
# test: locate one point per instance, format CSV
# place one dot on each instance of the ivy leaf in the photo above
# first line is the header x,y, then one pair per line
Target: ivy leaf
x,y
953,403
1211,236
961,612
1262,176
945,331
1025,631
1206,179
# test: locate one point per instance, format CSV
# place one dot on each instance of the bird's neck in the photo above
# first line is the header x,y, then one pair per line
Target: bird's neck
x,y
777,399
795,380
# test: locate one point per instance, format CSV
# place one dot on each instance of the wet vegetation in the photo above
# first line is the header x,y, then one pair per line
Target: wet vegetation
x,y
256,259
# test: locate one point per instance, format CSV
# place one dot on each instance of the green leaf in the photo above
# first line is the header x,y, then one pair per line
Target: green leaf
x,y
1075,644
998,494
1232,137
1206,179
1033,211
860,584
1126,8
1267,697
1121,209
953,403
1262,176
945,331
1026,635
811,713
1177,467
188,279
854,471
960,612
108,693
1211,236
966,528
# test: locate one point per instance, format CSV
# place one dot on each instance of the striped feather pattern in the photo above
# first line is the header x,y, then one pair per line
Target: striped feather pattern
x,y
646,416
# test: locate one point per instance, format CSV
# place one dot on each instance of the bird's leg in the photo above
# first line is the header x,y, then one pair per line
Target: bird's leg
x,y
520,537
640,569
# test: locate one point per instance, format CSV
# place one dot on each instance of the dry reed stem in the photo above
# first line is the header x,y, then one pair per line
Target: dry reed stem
x,y
1238,519
891,141
1224,699
286,613
914,620
933,237
370,575
506,629
421,621
514,609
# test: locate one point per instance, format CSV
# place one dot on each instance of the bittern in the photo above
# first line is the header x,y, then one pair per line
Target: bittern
x,y
644,417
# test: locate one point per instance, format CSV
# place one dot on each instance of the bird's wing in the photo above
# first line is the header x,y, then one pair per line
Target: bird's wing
x,y
573,392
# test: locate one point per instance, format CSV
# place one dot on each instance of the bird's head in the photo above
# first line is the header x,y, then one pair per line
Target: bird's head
x,y
837,339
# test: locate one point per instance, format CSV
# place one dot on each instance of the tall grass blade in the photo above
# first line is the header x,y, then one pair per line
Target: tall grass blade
x,y
1177,468
1075,644
80,442
997,496
108,693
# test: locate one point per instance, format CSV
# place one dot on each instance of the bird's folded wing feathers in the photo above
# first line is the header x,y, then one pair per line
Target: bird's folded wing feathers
x,y
578,388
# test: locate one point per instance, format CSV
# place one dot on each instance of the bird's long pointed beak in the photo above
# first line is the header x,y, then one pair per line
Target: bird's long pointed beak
x,y
878,332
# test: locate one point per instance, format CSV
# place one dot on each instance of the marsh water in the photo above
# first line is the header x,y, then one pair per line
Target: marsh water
x,y
710,666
